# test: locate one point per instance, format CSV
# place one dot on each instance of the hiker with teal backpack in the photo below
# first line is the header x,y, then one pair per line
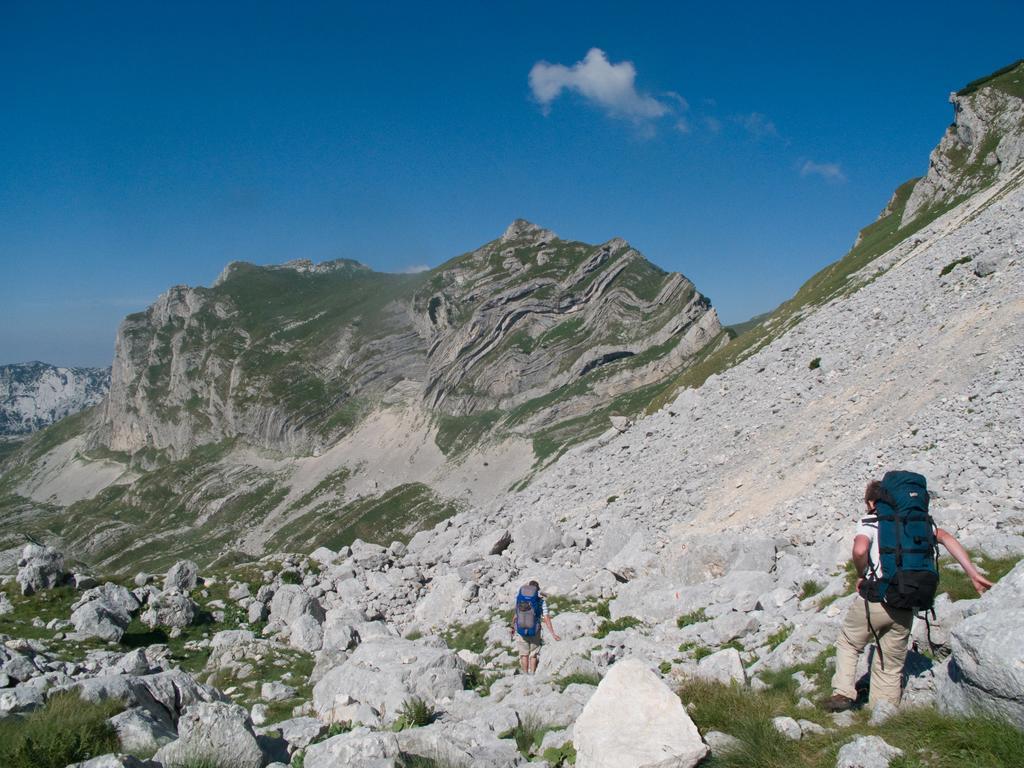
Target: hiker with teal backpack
x,y
530,611
895,552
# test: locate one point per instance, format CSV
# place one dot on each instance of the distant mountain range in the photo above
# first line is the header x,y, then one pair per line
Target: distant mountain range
x,y
35,395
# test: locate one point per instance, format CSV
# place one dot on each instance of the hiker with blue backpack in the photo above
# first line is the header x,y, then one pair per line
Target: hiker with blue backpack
x,y
895,552
530,612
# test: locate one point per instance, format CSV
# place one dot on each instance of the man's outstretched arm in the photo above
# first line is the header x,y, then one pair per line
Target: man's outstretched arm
x,y
955,548
550,628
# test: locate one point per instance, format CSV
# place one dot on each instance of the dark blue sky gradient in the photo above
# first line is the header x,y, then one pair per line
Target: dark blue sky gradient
x,y
145,145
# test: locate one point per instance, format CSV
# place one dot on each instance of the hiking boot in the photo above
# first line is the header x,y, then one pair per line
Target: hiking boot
x,y
837,703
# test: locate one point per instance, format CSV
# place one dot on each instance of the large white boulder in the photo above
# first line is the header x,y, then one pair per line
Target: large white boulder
x,y
361,748
384,672
211,731
633,720
100,620
40,568
183,575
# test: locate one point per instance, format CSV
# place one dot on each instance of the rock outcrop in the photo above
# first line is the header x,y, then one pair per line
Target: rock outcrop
x,y
633,720
35,395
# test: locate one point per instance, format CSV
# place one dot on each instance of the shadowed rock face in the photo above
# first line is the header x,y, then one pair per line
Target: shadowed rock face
x,y
291,357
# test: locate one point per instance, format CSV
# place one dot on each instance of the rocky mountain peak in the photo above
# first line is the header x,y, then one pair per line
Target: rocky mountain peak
x,y
523,229
984,143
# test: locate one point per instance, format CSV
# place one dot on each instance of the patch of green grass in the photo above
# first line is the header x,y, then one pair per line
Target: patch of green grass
x,y
701,652
784,681
954,264
457,434
414,713
777,638
558,757
528,734
66,730
470,637
333,484
396,514
617,625
815,364
693,617
1009,79
580,678
954,582
665,667
478,680
928,738
810,588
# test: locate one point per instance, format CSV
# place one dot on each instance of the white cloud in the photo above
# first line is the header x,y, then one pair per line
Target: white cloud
x,y
612,87
828,171
712,123
757,125
413,269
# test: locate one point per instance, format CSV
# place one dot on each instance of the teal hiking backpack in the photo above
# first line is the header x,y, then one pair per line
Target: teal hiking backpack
x,y
907,546
528,611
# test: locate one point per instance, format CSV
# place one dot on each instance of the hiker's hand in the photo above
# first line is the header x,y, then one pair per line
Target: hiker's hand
x,y
859,582
555,636
981,584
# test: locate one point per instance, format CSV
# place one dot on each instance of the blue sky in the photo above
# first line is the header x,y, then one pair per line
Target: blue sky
x,y
146,145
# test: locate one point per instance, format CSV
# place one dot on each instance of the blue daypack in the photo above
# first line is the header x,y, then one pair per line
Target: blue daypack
x,y
529,607
907,546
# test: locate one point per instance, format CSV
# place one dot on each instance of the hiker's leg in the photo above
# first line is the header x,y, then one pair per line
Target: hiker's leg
x,y
893,626
533,665
853,636
524,664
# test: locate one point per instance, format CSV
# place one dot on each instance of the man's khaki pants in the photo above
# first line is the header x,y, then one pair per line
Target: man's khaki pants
x,y
892,625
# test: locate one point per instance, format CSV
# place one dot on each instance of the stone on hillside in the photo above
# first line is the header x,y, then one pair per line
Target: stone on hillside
x,y
634,720
720,742
867,752
40,568
723,666
306,634
986,671
788,727
323,555
82,581
275,691
633,559
383,672
213,730
113,595
462,743
140,731
495,542
360,748
442,603
132,663
300,732
5,604
292,601
183,575
881,712
536,537
116,761
171,608
100,620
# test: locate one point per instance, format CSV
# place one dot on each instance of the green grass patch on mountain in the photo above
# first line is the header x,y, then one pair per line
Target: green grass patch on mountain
x,y
395,515
66,730
1009,79
954,582
456,434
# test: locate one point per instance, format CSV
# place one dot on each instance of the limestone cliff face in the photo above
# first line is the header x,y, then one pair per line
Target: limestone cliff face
x,y
35,395
984,143
292,357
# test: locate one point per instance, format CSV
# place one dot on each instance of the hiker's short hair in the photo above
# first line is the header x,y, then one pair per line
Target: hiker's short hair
x,y
873,491
535,584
